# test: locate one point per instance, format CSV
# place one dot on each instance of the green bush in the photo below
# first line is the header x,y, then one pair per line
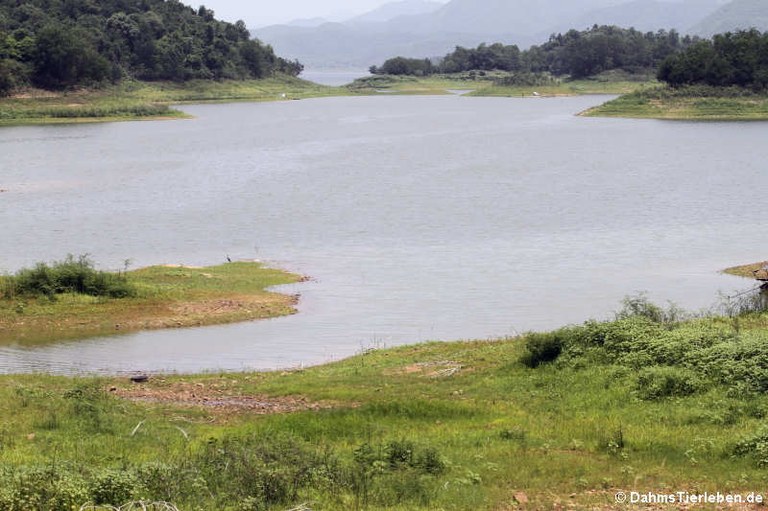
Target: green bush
x,y
68,276
115,487
755,446
741,363
663,382
543,347
53,488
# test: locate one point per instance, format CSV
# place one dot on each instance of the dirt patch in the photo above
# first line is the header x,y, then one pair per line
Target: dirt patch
x,y
218,399
755,270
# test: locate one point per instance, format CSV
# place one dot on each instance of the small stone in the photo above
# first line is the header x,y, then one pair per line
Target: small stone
x,y
521,498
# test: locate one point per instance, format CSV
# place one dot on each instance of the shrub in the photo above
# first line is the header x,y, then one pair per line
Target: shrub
x,y
543,347
68,276
662,381
115,487
42,489
755,446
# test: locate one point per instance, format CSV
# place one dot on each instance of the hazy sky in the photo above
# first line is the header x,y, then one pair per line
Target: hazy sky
x,y
267,12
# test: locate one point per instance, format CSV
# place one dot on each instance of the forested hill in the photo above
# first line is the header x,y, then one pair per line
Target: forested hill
x,y
55,44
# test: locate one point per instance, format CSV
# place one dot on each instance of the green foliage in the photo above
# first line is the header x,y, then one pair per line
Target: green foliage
x,y
578,54
60,45
115,487
65,57
729,59
663,381
543,347
754,446
674,357
404,66
68,276
53,488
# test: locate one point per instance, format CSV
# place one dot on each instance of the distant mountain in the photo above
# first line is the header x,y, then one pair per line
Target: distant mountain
x,y
739,14
393,10
649,15
307,22
358,42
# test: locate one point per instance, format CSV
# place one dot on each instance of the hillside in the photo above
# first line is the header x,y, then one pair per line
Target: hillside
x,y
55,45
471,22
739,14
393,10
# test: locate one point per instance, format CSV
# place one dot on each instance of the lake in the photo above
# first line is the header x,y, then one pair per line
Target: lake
x,y
418,218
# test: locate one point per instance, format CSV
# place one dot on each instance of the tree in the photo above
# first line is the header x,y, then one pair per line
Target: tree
x,y
64,57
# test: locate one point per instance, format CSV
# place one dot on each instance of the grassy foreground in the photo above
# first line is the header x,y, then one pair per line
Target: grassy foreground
x,y
148,100
566,419
164,297
691,103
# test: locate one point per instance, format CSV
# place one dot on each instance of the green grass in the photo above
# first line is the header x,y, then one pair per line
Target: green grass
x,y
149,100
161,297
698,103
485,85
454,426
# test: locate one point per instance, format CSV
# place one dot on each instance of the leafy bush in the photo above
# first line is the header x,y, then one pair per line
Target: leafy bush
x,y
755,446
68,276
115,487
52,488
543,347
742,363
662,382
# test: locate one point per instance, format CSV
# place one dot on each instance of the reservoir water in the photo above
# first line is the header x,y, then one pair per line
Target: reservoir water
x,y
418,218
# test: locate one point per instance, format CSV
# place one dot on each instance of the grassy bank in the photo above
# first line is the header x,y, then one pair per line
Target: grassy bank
x,y
157,297
691,103
566,419
488,84
148,100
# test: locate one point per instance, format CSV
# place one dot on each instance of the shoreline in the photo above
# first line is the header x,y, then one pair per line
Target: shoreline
x,y
133,101
168,296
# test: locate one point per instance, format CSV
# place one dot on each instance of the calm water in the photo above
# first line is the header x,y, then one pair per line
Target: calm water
x,y
419,217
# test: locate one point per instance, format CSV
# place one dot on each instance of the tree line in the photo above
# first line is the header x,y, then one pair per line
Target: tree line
x,y
56,44
730,59
578,54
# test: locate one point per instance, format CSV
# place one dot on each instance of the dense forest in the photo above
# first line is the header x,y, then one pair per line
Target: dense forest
x,y
56,44
739,59
576,53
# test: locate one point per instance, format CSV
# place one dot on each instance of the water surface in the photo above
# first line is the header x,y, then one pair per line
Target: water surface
x,y
420,218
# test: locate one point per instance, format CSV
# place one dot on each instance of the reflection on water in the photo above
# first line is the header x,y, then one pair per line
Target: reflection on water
x,y
419,217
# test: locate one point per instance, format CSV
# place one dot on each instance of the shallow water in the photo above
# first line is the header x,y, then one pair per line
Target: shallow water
x,y
420,218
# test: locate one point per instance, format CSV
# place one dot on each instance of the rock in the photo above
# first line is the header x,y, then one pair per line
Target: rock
x,y
139,378
521,498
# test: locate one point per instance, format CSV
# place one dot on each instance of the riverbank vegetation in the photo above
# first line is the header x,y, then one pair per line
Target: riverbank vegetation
x,y
501,84
135,100
82,61
574,54
725,78
60,45
649,401
71,299
687,103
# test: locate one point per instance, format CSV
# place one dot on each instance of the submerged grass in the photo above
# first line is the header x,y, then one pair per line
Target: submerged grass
x,y
454,426
159,297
